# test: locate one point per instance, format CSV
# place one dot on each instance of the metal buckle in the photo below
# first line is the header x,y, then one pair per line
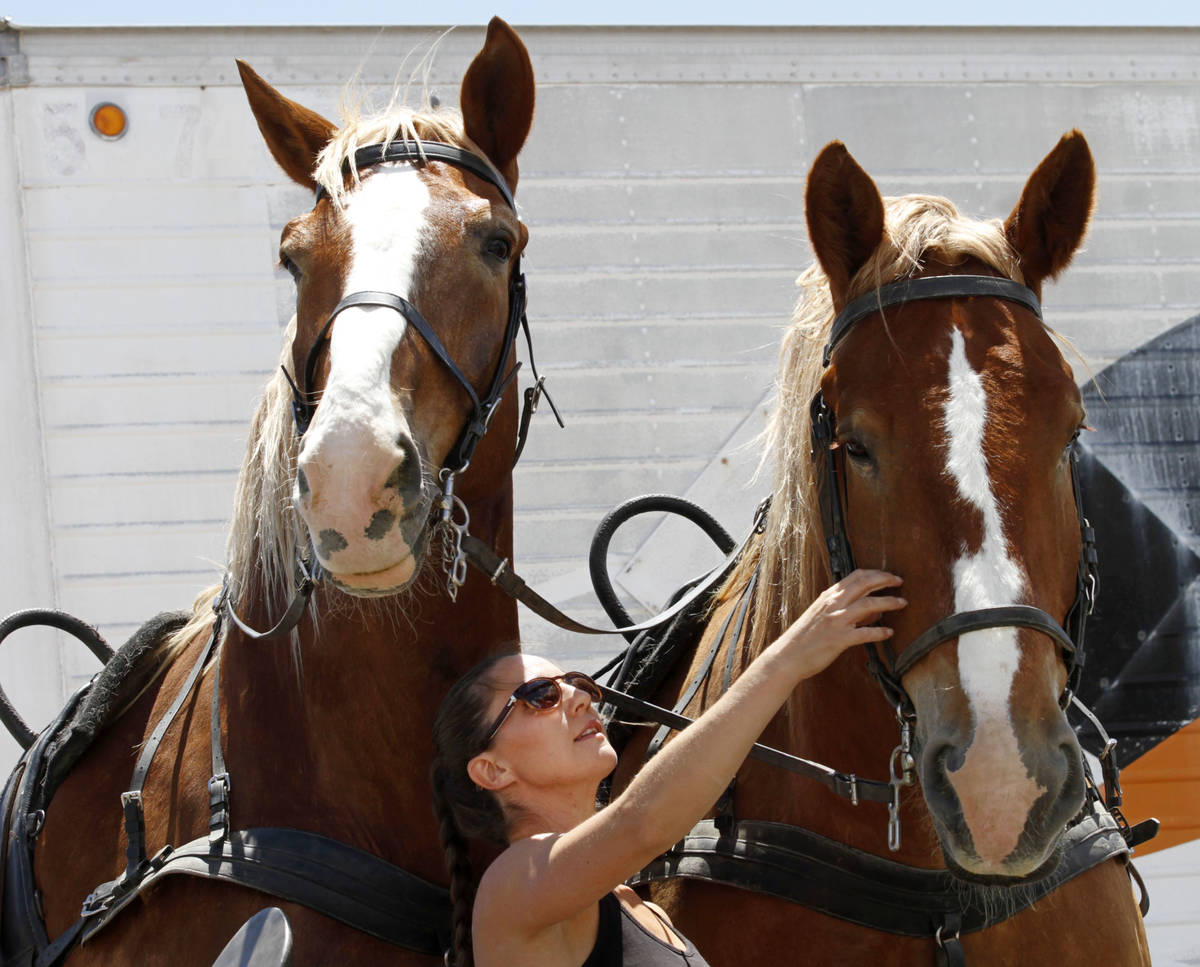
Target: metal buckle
x,y
534,396
942,942
219,787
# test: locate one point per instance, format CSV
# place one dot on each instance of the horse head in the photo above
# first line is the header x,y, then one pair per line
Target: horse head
x,y
406,238
955,426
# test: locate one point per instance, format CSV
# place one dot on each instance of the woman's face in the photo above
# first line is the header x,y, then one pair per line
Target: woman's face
x,y
561,746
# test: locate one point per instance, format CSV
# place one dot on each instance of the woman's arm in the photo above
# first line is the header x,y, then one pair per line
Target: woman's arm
x,y
545,879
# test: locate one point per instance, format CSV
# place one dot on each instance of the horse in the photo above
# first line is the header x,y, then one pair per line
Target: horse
x,y
409,296
929,433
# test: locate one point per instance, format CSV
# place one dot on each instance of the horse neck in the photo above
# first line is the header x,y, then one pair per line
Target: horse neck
x,y
341,742
841,719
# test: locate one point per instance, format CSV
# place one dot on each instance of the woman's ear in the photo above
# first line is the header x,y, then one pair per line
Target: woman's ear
x,y
488,772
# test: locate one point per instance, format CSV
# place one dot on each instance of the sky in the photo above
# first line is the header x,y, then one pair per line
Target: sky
x,y
606,12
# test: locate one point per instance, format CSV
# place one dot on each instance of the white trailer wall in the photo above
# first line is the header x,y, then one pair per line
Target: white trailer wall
x,y
663,186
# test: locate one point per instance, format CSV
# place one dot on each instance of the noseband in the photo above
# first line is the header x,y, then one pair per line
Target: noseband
x,y
483,407
889,670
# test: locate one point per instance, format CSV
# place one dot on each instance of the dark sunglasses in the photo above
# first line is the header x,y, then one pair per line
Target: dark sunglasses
x,y
543,694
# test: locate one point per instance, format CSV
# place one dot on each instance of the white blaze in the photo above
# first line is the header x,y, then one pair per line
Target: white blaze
x,y
987,660
386,218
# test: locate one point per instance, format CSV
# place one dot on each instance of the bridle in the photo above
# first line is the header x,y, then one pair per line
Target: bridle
x,y
891,667
452,511
483,407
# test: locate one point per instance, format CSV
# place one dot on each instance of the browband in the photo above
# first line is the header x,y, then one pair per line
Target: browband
x,y
374,154
932,287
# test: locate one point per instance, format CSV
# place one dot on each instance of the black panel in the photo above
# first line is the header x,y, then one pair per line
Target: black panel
x,y
1140,475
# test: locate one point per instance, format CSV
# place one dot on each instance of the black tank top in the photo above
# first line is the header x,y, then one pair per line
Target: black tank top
x,y
623,942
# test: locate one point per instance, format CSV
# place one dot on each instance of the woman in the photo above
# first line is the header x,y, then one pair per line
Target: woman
x,y
520,753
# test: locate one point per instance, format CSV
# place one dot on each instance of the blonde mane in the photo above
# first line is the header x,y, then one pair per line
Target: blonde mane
x,y
398,122
266,534
791,556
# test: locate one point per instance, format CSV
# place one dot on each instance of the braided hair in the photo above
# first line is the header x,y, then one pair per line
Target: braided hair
x,y
463,809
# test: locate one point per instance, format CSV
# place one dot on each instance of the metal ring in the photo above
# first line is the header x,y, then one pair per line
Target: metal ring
x,y
938,936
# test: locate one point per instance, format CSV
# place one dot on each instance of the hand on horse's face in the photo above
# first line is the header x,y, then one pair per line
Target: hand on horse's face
x,y
842,616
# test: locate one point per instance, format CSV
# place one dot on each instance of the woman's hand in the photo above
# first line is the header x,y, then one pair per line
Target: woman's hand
x,y
843,615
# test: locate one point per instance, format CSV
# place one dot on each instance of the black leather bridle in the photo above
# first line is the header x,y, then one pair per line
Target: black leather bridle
x,y
889,671
483,406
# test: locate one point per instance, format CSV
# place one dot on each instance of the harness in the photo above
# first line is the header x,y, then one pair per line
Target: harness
x,y
333,878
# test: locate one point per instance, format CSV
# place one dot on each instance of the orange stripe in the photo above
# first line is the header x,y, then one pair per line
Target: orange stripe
x,y
1165,784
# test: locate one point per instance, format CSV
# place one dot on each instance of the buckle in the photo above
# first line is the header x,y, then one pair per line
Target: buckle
x,y
106,894
218,807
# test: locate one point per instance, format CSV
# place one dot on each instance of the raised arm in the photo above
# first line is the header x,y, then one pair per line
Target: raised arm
x,y
545,879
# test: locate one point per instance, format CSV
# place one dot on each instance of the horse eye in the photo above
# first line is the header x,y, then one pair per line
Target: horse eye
x,y
855,450
292,268
500,248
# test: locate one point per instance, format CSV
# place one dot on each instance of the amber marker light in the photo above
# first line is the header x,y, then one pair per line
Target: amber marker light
x,y
109,121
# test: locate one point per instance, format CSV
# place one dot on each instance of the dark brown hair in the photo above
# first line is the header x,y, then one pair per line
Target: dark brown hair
x,y
463,809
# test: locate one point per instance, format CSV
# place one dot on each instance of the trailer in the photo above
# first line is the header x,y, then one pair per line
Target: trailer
x,y
663,186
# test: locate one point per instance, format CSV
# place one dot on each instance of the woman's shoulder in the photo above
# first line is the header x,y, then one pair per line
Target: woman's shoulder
x,y
509,874
507,926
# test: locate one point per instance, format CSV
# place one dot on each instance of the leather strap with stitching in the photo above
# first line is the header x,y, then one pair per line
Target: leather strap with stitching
x,y
806,868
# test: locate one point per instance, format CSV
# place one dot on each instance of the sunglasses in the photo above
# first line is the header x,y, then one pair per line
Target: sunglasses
x,y
543,694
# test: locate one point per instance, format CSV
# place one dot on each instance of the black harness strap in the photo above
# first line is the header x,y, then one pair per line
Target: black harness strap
x,y
309,575
338,880
735,618
1008,616
806,868
931,287
846,785
131,802
218,784
23,931
422,151
501,574
350,885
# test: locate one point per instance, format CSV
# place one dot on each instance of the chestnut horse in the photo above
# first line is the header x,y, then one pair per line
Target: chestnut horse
x,y
332,734
954,420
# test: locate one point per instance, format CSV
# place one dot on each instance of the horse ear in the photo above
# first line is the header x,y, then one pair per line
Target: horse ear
x,y
1052,216
497,98
294,134
845,217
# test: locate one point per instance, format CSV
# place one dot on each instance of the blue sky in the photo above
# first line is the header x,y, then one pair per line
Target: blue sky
x,y
531,12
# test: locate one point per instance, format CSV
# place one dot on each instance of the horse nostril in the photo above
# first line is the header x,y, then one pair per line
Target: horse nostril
x,y
406,476
941,758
